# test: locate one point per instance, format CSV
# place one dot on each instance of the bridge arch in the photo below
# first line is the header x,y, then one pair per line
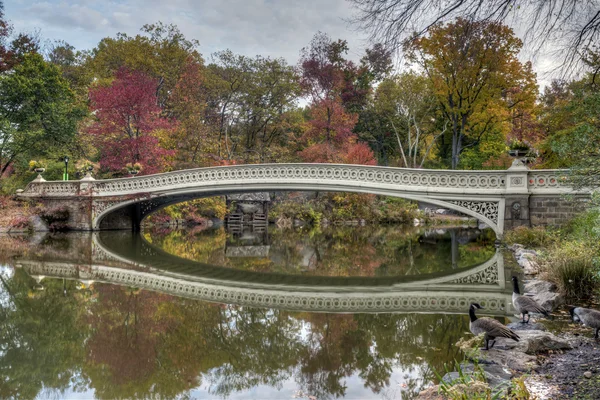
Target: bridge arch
x,y
488,212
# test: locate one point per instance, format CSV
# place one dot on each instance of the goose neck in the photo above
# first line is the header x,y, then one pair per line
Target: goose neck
x,y
472,314
516,287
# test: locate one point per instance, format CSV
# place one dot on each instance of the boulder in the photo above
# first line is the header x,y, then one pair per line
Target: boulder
x,y
509,358
520,252
530,267
38,224
545,293
521,356
495,375
534,342
532,326
515,246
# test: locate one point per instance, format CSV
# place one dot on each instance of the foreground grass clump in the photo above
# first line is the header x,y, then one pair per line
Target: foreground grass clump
x,y
531,237
473,385
573,262
572,265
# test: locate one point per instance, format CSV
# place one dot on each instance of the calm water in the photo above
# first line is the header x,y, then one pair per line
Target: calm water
x,y
345,312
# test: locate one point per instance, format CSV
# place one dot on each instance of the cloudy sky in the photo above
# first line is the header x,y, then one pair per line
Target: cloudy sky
x,y
277,28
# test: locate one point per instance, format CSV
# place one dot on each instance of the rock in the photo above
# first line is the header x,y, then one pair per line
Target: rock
x,y
529,251
534,342
512,359
587,374
545,293
532,326
441,211
530,267
416,222
298,222
537,285
521,356
495,374
515,246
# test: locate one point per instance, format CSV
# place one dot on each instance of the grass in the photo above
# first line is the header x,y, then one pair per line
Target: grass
x,y
536,237
570,256
571,265
474,386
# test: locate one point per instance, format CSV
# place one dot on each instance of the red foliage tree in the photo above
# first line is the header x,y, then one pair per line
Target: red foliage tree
x,y
128,121
336,87
330,138
359,153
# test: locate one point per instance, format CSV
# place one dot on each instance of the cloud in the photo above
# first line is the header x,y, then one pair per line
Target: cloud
x,y
250,27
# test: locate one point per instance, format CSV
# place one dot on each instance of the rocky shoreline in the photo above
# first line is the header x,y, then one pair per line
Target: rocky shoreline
x,y
542,364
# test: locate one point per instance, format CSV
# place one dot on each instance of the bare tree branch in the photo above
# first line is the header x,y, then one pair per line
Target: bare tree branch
x,y
564,27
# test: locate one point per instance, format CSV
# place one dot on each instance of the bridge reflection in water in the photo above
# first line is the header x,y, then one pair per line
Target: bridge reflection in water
x,y
125,258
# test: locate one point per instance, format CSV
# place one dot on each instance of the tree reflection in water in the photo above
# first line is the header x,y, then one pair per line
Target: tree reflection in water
x,y
334,251
129,343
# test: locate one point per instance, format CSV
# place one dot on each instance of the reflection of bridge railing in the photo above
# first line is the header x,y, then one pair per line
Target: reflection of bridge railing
x,y
431,301
450,293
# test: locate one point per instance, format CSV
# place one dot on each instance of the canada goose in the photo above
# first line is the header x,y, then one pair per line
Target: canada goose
x,y
525,305
586,316
491,327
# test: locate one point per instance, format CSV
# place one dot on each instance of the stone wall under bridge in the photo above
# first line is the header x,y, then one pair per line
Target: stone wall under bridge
x,y
501,199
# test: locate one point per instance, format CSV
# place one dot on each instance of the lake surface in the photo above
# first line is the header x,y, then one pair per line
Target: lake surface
x,y
341,312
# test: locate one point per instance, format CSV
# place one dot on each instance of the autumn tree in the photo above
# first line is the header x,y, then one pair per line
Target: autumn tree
x,y
335,87
161,51
472,67
572,129
14,48
128,123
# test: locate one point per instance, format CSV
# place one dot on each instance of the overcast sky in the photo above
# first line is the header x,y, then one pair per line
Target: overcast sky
x,y
276,28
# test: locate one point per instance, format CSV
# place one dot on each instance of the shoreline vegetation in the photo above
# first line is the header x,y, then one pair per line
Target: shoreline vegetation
x,y
561,266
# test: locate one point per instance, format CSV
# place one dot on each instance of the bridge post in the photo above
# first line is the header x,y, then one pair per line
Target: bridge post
x,y
516,211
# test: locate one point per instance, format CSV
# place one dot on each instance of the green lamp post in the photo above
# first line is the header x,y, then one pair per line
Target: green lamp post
x,y
66,174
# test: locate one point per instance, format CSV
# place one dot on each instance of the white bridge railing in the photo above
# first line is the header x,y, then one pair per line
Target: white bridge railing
x,y
287,176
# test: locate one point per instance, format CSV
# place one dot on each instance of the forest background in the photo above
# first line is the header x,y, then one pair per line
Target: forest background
x,y
152,103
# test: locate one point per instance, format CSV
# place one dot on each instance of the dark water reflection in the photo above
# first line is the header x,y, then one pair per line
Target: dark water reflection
x,y
333,251
82,339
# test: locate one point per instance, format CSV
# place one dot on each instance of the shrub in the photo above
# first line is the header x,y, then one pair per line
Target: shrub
x,y
573,267
20,222
531,237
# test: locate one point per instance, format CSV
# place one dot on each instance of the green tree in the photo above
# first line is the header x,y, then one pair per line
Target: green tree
x,y
38,111
575,136
249,101
407,106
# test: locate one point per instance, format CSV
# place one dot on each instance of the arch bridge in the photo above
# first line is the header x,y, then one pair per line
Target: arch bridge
x,y
500,198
